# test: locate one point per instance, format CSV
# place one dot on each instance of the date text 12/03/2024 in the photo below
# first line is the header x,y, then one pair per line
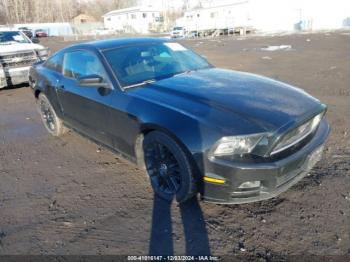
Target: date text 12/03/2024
x,y
173,258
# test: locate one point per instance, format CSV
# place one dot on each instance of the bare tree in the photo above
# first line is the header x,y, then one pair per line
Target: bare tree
x,y
40,11
3,14
98,8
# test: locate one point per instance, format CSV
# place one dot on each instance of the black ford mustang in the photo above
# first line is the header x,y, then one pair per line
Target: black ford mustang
x,y
232,137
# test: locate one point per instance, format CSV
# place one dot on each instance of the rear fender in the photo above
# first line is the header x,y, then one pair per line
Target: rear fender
x,y
47,86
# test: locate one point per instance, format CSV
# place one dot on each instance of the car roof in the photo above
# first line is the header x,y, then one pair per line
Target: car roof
x,y
119,42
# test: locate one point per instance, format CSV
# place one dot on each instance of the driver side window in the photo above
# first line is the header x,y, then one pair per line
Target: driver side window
x,y
82,63
55,63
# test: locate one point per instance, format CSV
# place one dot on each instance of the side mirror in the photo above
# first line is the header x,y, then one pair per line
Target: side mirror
x,y
35,40
92,81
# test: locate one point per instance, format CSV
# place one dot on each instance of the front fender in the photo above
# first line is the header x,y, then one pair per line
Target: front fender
x,y
193,136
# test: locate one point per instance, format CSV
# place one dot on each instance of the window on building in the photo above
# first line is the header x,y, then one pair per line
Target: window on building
x,y
109,19
159,19
133,16
213,14
144,15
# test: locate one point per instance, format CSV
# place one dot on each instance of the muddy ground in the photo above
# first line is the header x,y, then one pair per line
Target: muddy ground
x,y
69,196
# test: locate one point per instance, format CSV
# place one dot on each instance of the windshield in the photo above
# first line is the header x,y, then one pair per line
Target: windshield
x,y
137,64
13,36
178,28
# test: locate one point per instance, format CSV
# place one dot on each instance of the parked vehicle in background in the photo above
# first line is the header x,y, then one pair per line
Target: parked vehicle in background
x,y
233,137
26,31
178,32
40,33
17,54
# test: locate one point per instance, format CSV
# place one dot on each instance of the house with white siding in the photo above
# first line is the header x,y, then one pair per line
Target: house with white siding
x,y
267,15
138,19
225,16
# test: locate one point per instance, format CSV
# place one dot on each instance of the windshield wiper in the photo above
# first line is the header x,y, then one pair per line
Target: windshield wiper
x,y
189,71
150,81
146,82
184,72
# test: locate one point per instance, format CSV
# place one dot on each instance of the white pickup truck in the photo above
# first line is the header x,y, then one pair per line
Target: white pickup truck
x,y
178,32
17,54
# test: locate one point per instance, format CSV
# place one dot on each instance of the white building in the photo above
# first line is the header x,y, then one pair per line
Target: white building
x,y
164,5
268,15
138,19
224,16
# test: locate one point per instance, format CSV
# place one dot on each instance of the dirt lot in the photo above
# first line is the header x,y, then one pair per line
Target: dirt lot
x,y
68,196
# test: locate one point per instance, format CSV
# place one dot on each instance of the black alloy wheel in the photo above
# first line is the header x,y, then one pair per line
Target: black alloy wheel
x,y
168,167
53,124
163,168
48,116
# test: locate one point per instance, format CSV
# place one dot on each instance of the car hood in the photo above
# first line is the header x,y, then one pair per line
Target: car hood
x,y
224,97
17,47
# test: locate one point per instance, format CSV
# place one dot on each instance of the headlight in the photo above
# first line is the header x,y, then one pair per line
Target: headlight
x,y
236,145
43,53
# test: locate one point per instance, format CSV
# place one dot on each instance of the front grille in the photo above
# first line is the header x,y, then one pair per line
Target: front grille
x,y
291,150
23,54
18,64
298,135
18,60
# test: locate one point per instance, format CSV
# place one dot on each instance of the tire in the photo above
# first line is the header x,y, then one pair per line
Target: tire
x,y
51,121
169,169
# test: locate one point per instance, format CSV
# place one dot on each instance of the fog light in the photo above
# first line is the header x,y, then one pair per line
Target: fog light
x,y
250,184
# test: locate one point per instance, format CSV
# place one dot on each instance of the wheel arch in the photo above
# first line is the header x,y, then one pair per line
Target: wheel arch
x,y
37,93
139,155
150,127
51,95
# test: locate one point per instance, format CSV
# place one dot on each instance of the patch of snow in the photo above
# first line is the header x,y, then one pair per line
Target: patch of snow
x,y
277,48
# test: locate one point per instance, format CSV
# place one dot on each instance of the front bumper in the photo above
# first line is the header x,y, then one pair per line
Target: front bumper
x,y
177,35
15,76
275,177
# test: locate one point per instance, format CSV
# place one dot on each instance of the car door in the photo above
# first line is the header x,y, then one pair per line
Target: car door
x,y
85,108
